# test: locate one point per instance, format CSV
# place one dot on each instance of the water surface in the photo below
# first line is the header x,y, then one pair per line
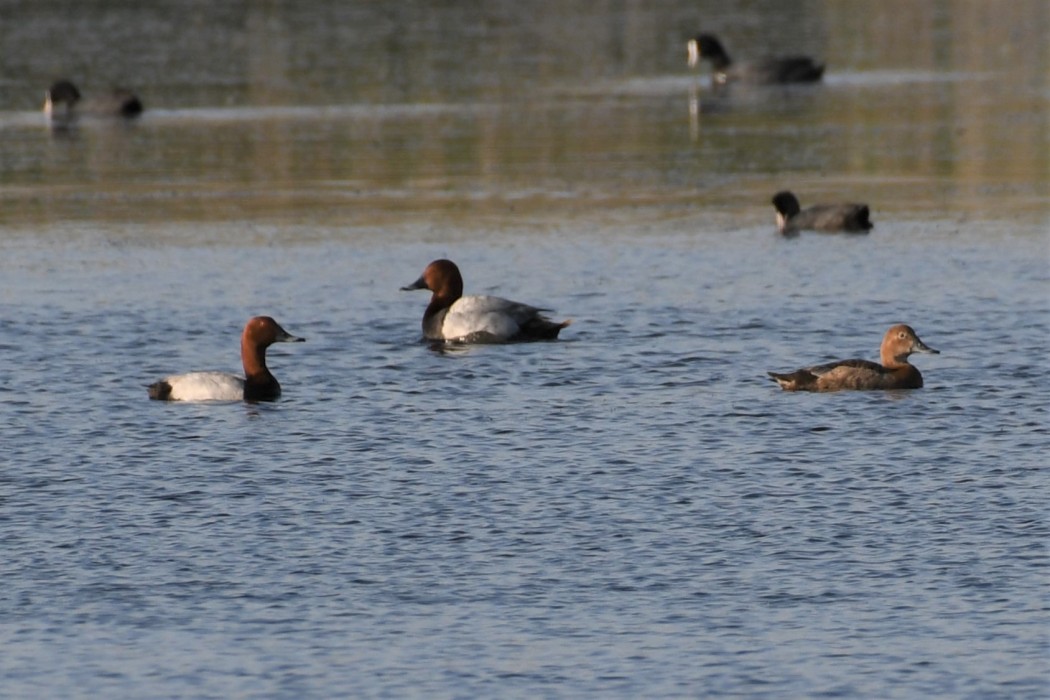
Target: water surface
x,y
634,510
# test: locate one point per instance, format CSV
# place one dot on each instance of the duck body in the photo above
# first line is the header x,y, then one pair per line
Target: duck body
x,y
848,217
200,386
777,70
769,70
63,102
450,316
489,319
856,375
895,372
258,384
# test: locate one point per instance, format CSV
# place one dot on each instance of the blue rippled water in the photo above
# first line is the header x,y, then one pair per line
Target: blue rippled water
x,y
632,510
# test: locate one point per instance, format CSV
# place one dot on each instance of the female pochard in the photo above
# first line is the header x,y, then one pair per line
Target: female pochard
x,y
476,319
256,385
894,372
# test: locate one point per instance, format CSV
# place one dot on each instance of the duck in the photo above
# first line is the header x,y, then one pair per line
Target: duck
x,y
257,384
895,372
791,218
771,70
452,317
63,101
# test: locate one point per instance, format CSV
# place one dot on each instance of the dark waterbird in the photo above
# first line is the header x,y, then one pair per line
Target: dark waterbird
x,y
63,101
770,70
791,218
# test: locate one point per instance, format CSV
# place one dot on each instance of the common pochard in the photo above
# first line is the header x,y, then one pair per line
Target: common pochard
x,y
451,316
257,384
899,342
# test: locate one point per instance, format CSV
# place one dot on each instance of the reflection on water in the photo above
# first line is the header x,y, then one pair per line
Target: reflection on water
x,y
331,113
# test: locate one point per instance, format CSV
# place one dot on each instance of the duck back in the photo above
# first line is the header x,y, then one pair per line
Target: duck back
x,y
834,217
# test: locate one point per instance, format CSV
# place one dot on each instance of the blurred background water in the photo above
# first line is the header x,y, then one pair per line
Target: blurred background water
x,y
634,510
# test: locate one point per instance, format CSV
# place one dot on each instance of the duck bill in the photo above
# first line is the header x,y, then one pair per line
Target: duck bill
x,y
782,224
418,284
286,337
694,53
920,346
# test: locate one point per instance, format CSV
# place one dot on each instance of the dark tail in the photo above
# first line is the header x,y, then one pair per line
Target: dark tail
x,y
543,329
799,380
